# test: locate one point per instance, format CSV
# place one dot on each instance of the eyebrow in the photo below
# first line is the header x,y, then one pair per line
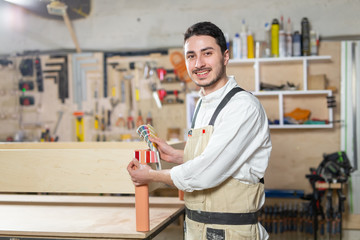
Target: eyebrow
x,y
202,50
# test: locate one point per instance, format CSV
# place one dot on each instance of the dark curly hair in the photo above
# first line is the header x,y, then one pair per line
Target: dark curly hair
x,y
208,29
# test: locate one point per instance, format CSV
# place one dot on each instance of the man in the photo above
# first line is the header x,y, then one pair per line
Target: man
x,y
227,151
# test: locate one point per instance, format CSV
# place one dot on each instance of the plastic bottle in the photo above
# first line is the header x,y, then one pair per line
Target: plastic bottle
x,y
275,38
243,39
282,43
236,46
305,37
226,35
250,45
313,43
288,37
267,40
296,44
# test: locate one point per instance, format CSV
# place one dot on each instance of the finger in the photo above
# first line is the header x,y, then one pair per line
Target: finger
x,y
130,166
136,163
155,139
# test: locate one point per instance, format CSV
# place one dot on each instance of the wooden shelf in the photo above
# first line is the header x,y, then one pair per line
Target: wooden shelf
x,y
257,62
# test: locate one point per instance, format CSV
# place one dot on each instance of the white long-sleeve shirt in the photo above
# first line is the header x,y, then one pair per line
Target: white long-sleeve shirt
x,y
239,147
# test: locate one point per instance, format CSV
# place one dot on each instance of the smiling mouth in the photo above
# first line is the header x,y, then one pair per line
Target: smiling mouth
x,y
202,73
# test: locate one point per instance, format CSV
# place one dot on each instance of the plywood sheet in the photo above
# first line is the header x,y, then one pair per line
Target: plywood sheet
x,y
80,216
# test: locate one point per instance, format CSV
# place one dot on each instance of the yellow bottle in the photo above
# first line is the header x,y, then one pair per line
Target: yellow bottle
x,y
250,45
275,38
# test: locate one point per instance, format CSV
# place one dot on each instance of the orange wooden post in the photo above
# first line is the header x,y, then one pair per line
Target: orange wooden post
x,y
181,194
142,199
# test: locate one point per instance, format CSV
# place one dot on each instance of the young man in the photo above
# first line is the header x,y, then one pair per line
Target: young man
x,y
227,151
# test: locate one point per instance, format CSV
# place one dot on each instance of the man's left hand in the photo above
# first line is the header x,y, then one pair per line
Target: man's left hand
x,y
140,173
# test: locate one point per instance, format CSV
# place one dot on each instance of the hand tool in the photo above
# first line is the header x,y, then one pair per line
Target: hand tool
x,y
161,72
130,121
149,119
63,84
39,77
120,121
139,120
163,93
80,130
178,61
57,125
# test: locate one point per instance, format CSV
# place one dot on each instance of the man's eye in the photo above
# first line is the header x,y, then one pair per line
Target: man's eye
x,y
190,56
208,53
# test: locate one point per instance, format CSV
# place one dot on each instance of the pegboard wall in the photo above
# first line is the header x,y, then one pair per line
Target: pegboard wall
x,y
92,96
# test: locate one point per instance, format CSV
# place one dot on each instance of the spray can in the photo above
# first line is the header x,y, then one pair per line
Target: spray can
x,y
282,43
296,44
288,37
236,46
305,36
275,38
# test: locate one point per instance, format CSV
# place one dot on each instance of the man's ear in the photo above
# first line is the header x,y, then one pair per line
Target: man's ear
x,y
226,57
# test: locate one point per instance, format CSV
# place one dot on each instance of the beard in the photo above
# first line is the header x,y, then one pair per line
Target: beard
x,y
218,76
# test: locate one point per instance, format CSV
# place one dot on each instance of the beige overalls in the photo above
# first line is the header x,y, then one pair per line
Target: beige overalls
x,y
218,211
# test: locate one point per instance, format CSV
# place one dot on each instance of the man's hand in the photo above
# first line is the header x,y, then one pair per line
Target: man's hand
x,y
140,173
168,153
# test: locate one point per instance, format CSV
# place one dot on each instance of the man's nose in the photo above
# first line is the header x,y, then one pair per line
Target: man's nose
x,y
199,62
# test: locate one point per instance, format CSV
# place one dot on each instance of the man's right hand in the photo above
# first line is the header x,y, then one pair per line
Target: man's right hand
x,y
168,153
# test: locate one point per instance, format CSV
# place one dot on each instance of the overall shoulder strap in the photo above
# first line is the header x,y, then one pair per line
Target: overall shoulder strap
x,y
195,114
222,104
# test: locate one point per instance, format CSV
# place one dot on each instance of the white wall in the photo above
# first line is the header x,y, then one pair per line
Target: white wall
x,y
148,24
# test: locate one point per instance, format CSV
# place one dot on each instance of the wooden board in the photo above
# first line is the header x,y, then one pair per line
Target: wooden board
x,y
81,216
69,167
75,167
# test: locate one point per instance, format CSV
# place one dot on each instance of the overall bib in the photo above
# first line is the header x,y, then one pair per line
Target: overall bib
x,y
228,211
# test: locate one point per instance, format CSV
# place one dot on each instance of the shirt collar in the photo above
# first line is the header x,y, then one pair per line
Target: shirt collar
x,y
218,94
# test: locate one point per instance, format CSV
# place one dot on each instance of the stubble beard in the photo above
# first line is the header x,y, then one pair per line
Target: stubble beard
x,y
215,80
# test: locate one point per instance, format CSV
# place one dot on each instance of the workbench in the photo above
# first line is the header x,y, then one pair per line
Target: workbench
x,y
47,191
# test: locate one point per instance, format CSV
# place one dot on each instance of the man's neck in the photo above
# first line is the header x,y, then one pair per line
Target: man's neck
x,y
216,86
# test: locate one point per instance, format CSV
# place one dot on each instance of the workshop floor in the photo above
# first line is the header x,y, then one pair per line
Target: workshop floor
x,y
175,232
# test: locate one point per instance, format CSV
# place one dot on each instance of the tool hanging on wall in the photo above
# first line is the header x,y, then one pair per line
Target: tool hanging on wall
x,y
120,122
139,120
39,77
57,125
178,61
26,67
27,100
26,85
79,75
80,129
130,122
162,93
62,72
6,62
